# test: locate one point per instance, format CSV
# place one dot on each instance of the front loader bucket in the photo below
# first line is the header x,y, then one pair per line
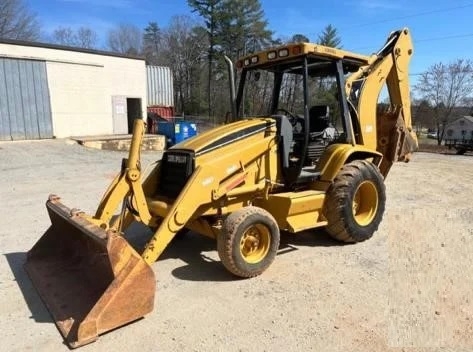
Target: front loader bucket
x,y
91,281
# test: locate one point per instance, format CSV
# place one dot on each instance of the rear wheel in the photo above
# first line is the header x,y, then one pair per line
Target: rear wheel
x,y
355,202
248,242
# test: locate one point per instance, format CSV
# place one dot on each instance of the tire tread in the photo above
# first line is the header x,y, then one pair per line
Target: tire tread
x,y
226,240
338,196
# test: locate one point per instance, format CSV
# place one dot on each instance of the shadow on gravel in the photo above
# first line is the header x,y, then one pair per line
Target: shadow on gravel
x,y
309,238
38,311
199,267
191,249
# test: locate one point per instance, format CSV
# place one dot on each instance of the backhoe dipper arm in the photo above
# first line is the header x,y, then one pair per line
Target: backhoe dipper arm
x,y
389,131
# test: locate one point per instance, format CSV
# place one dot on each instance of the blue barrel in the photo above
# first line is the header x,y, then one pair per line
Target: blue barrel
x,y
184,130
176,132
166,129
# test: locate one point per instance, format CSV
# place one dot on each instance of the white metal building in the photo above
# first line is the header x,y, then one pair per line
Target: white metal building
x,y
55,91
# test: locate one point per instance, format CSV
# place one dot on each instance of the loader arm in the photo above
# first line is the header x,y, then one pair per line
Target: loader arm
x,y
388,131
222,178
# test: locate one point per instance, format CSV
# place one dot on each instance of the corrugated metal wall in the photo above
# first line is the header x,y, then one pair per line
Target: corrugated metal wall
x,y
25,109
160,86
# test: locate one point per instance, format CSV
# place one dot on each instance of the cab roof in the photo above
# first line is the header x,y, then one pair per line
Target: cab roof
x,y
287,58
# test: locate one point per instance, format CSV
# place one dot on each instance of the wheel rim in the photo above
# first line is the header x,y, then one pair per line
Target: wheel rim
x,y
365,203
254,244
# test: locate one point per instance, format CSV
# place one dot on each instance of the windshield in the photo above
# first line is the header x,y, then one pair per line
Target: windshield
x,y
255,93
259,94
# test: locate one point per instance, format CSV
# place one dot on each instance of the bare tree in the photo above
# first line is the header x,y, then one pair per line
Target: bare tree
x,y
446,87
86,38
83,37
422,114
183,49
64,36
125,39
17,21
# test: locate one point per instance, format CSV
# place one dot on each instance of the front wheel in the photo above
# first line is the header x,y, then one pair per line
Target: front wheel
x,y
248,242
355,202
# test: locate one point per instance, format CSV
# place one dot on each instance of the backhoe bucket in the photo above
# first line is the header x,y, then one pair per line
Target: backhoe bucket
x,y
91,281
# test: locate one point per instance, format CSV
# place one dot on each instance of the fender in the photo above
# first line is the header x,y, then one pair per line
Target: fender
x,y
337,155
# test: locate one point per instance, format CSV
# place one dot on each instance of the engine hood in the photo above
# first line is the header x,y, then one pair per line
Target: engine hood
x,y
223,135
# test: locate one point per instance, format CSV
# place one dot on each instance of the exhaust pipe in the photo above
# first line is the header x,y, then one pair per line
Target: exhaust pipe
x,y
231,76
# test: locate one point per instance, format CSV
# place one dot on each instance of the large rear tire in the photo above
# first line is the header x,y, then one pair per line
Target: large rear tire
x,y
355,202
248,242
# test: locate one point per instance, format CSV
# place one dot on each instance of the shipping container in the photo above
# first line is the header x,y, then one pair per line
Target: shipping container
x,y
158,114
160,86
166,112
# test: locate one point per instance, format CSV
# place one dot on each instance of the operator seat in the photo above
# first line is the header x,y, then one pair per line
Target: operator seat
x,y
319,119
284,129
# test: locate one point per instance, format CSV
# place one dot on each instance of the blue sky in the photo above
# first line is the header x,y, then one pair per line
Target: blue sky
x,y
441,30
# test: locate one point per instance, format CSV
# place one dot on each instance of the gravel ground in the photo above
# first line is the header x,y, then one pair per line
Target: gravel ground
x,y
406,289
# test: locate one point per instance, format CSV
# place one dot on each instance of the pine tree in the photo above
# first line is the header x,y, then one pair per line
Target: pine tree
x,y
299,38
235,28
151,39
210,11
329,37
243,28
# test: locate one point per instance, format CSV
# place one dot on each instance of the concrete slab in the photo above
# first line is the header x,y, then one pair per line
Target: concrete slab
x,y
121,142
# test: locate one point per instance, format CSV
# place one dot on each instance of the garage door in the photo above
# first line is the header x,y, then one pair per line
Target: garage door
x,y
25,109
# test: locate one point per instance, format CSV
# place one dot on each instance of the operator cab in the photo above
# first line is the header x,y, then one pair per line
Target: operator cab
x,y
306,96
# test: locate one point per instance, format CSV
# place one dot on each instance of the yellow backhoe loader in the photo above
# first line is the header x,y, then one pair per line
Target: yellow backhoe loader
x,y
288,161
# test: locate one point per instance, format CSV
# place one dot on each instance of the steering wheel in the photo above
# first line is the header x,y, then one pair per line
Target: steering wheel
x,y
290,115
